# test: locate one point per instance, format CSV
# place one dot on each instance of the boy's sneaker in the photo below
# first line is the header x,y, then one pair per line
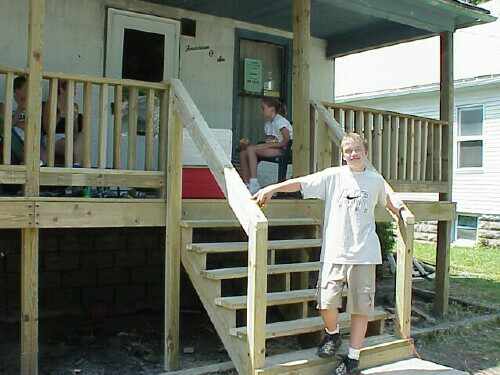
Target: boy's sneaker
x,y
347,366
329,345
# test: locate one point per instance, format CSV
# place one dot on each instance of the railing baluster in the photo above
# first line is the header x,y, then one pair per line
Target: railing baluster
x,y
386,162
360,122
418,149
410,169
149,130
103,125
52,108
132,127
70,120
423,157
369,134
438,152
394,147
377,144
165,108
349,120
7,118
429,174
87,124
403,147
117,128
336,151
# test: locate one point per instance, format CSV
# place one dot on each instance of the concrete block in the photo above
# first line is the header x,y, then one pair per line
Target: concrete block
x,y
79,278
113,276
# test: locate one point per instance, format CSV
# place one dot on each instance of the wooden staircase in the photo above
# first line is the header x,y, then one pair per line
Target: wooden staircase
x,y
290,297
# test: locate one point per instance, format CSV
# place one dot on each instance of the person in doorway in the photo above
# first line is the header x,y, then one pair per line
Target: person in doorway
x,y
350,248
19,121
278,136
60,135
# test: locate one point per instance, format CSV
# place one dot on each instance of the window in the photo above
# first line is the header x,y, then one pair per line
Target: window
x,y
470,137
466,228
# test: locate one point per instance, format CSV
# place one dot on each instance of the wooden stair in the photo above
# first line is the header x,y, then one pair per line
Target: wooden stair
x,y
223,309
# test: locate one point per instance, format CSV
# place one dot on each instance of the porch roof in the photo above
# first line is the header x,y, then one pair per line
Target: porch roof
x,y
351,26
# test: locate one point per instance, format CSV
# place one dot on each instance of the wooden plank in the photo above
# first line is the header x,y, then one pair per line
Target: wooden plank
x,y
52,108
417,162
117,128
410,169
346,107
100,177
103,125
437,154
360,122
29,300
323,143
444,227
336,151
404,269
166,112
36,15
12,174
272,299
16,71
387,147
273,269
99,213
149,130
87,125
132,127
70,119
256,294
377,145
394,155
377,350
301,21
173,244
232,247
221,223
349,121
418,186
306,325
101,80
16,214
403,148
369,134
7,118
423,156
429,172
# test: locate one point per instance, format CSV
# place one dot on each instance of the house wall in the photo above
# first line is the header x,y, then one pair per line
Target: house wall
x,y
475,192
75,43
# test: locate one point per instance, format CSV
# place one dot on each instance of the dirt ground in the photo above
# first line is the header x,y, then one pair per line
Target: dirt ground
x,y
132,344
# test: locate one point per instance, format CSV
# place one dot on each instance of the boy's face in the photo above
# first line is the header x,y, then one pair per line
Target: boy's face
x,y
354,154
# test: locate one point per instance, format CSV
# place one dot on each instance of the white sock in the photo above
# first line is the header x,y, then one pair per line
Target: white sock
x,y
336,330
353,353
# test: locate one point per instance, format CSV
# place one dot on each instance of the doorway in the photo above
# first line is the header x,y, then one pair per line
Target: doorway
x,y
263,67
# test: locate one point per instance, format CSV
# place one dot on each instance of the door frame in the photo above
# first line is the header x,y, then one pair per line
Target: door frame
x,y
172,71
286,78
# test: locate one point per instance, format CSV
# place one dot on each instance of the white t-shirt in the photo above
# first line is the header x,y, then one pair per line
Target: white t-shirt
x,y
274,127
350,198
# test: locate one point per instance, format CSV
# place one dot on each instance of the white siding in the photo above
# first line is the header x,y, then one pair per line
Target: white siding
x,y
477,192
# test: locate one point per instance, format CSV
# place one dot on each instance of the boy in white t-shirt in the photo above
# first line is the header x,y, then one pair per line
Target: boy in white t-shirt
x,y
350,248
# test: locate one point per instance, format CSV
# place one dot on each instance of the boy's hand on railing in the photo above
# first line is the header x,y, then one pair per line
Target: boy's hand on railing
x,y
263,196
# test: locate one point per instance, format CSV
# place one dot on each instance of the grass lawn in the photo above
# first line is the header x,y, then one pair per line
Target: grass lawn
x,y
475,272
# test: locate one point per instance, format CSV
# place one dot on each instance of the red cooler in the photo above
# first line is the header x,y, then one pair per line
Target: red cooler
x,y
199,183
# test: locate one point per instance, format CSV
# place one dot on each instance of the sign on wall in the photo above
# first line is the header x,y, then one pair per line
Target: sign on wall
x,y
253,76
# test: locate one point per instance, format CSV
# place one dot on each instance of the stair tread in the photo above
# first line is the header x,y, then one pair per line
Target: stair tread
x,y
273,299
306,325
308,358
229,247
227,223
241,272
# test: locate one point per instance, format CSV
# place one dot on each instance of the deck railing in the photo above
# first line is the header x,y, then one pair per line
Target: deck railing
x,y
409,151
113,162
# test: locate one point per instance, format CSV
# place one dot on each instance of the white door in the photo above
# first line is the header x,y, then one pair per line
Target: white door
x,y
140,47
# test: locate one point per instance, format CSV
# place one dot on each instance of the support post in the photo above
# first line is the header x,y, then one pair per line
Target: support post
x,y
444,227
29,236
404,268
173,242
301,86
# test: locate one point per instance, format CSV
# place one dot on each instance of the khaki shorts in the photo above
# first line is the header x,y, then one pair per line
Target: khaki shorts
x,y
360,282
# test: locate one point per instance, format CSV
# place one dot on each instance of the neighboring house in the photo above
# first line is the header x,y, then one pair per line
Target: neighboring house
x,y
476,153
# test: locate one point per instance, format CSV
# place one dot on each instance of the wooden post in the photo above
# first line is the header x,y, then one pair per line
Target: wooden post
x,y
404,270
29,236
173,243
301,86
322,143
444,227
7,118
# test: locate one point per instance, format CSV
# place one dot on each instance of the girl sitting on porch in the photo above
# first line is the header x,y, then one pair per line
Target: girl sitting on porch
x,y
60,135
278,136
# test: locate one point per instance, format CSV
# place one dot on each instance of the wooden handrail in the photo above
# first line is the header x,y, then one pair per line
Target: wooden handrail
x,y
248,213
405,230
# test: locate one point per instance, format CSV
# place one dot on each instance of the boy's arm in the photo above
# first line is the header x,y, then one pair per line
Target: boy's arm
x,y
264,195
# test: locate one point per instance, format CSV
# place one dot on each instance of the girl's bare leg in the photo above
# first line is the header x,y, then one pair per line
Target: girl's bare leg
x,y
244,170
254,153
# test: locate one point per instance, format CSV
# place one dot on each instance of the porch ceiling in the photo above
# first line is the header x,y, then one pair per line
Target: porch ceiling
x,y
350,25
